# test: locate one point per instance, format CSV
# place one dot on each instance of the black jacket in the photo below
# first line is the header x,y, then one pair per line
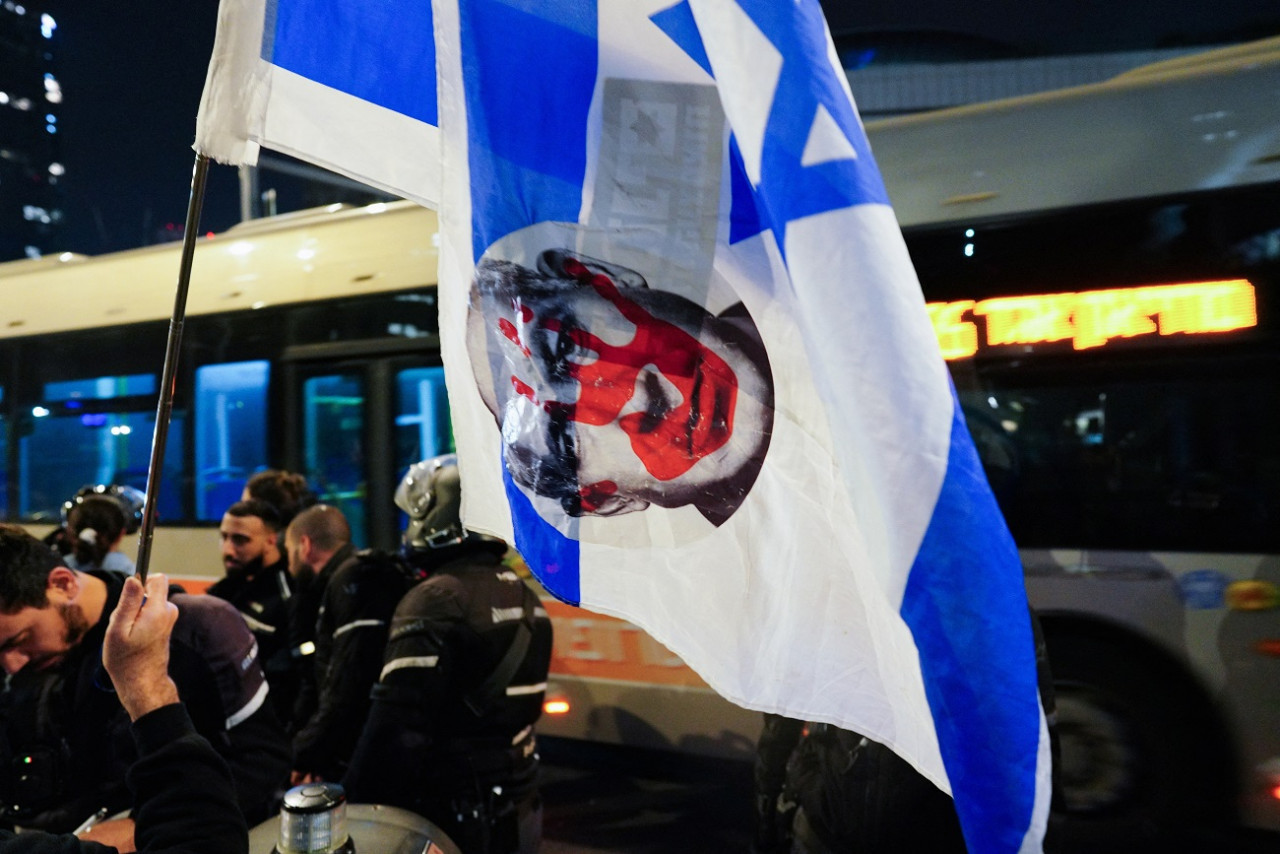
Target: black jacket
x,y
263,601
71,721
358,593
432,737
185,801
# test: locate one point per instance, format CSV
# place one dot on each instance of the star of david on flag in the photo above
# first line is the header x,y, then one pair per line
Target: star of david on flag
x,y
691,372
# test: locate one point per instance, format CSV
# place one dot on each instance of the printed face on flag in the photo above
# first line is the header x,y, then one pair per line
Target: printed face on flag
x,y
612,396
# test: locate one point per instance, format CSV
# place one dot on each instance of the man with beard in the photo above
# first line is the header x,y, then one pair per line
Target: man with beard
x,y
343,605
611,396
66,742
258,584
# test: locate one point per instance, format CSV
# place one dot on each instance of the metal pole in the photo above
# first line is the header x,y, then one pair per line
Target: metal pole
x,y
168,381
248,193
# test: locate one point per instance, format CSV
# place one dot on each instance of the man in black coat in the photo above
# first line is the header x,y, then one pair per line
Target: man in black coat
x,y
450,734
66,735
184,797
342,607
257,583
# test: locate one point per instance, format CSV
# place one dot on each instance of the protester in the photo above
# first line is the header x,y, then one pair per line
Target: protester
x,y
825,790
343,606
821,789
771,828
184,795
95,530
257,583
855,794
129,499
286,491
66,731
450,735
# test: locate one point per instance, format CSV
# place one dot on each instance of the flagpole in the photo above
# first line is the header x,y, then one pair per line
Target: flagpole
x,y
168,381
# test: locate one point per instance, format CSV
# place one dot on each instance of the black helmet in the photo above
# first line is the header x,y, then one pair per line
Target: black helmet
x,y
431,493
131,500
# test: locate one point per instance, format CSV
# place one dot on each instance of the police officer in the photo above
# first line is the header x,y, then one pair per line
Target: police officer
x,y
450,734
257,583
343,606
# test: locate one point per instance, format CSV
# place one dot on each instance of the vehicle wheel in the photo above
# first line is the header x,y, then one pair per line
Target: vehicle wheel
x,y
1142,760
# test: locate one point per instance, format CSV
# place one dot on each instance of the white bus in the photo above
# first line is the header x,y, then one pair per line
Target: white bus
x,y
1101,265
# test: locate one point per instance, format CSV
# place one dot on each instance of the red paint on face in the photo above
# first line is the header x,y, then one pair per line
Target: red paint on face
x,y
512,334
595,494
523,389
668,443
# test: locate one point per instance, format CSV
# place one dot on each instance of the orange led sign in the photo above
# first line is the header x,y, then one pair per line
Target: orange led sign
x,y
1093,318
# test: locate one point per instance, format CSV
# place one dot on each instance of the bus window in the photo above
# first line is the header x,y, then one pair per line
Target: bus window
x,y
333,445
1176,462
100,388
231,439
423,429
95,430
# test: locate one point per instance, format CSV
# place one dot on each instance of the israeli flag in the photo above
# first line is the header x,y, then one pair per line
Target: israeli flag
x,y
344,85
691,372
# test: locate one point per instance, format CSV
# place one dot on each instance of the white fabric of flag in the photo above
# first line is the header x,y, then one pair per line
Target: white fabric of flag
x,y
310,78
690,369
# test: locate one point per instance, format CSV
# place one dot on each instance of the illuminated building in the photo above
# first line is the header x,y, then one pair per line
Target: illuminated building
x,y
30,104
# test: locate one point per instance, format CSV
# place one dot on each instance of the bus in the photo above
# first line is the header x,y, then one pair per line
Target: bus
x,y
1102,267
1100,264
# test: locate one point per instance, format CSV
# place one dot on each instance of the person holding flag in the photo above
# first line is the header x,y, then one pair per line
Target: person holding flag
x,y
816,539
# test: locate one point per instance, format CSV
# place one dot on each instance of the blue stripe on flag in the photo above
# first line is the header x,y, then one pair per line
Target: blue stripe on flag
x,y
527,143
972,625
527,151
542,546
342,46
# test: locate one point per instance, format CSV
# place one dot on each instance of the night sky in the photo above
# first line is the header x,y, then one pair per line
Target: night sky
x,y
132,74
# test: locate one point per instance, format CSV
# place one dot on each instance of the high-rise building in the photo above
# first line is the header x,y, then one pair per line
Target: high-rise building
x,y
30,102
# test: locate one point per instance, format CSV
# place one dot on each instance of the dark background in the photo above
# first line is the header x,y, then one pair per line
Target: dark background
x,y
132,74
